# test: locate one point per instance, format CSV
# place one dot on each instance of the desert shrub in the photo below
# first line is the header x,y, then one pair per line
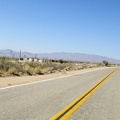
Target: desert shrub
x,y
105,63
61,61
38,69
34,64
30,71
49,64
26,67
5,63
62,66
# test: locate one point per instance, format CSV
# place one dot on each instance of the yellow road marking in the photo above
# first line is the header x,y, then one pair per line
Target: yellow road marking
x,y
72,107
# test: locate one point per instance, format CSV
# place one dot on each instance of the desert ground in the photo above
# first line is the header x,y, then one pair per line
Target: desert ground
x,y
15,80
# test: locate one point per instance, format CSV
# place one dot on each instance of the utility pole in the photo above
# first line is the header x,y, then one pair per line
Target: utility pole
x,y
35,55
20,55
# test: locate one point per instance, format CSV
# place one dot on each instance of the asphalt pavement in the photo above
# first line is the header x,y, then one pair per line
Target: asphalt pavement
x,y
43,100
104,104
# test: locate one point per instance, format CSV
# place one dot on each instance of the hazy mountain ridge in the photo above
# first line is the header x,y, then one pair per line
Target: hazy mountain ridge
x,y
65,56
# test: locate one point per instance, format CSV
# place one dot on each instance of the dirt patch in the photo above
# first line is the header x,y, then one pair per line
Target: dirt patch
x,y
15,80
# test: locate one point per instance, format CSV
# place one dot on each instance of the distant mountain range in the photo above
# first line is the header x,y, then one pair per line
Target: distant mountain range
x,y
56,56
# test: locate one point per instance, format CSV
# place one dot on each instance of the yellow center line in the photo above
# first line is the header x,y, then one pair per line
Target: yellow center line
x,y
72,107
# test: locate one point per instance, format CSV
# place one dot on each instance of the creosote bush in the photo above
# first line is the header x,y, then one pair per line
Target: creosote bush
x,y
9,66
5,64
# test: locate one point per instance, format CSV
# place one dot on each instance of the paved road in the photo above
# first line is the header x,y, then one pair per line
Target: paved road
x,y
41,101
104,104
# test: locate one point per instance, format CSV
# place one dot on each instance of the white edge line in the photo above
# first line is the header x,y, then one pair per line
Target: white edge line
x,y
51,79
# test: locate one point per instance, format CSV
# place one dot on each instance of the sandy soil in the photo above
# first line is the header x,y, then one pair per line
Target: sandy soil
x,y
11,81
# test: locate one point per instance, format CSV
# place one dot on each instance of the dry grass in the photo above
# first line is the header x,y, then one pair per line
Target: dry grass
x,y
10,67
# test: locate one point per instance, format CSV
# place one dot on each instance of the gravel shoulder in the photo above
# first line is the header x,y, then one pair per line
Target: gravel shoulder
x,y
11,81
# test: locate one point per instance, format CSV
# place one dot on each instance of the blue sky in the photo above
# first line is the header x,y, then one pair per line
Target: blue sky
x,y
45,26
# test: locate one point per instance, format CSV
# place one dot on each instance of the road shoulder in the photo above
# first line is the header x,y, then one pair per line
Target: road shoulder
x,y
12,81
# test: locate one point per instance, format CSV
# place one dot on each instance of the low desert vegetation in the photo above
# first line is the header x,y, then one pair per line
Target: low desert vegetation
x,y
12,67
106,63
